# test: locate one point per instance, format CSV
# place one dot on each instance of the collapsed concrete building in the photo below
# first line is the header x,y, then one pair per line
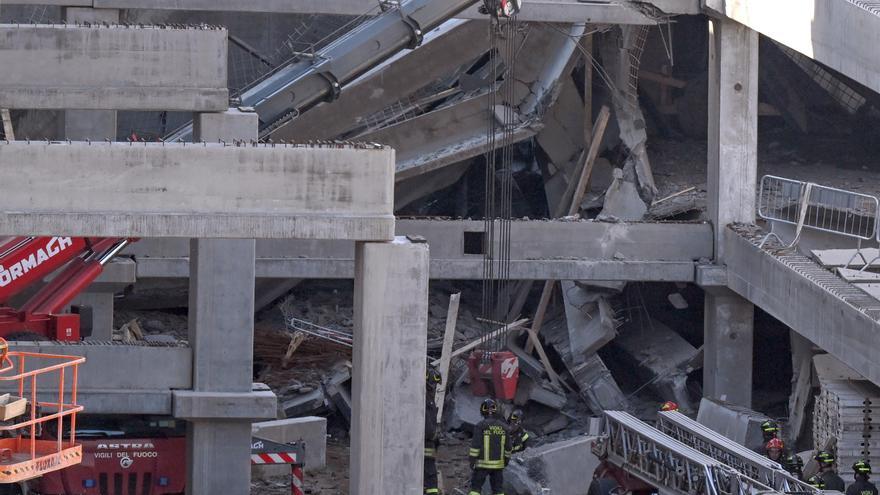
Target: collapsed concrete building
x,y
174,123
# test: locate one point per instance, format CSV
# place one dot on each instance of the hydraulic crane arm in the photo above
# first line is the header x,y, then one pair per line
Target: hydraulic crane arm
x,y
295,88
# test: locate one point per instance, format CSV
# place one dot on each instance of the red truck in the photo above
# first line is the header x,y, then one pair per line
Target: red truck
x,y
123,456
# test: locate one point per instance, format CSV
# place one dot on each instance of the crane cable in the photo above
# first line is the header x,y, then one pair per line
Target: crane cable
x,y
499,182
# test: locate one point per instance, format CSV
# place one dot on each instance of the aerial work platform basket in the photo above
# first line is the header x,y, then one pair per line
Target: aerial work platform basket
x,y
23,417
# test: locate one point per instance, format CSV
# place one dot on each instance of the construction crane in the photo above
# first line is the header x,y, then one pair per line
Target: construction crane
x,y
26,261
291,90
636,454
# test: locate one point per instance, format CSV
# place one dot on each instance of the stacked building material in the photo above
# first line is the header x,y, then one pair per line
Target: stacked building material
x,y
846,408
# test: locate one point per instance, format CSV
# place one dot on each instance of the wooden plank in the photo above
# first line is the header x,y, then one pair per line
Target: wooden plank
x,y
7,124
476,343
587,172
446,352
540,312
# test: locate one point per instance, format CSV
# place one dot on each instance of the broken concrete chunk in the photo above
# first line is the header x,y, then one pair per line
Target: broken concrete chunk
x,y
662,354
562,468
622,202
541,392
462,410
740,424
305,405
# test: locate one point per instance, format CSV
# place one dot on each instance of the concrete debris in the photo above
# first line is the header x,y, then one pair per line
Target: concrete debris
x,y
559,468
677,300
338,390
462,410
740,424
622,201
662,355
308,404
540,392
590,320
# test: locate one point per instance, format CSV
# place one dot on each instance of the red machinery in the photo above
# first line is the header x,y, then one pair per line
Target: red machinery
x,y
25,261
494,374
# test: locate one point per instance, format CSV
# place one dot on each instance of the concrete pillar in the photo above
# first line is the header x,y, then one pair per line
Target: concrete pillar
x,y
390,345
102,313
221,334
80,125
732,181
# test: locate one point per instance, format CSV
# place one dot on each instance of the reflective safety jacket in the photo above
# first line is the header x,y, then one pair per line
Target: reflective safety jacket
x,y
431,433
490,446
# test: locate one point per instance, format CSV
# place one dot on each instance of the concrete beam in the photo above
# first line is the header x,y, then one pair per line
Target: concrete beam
x,y
540,250
74,62
603,12
192,405
835,319
119,379
840,34
162,190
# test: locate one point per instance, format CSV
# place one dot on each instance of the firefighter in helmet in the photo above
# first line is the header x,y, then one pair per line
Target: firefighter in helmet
x,y
668,406
519,437
775,449
828,472
432,435
490,450
861,485
794,465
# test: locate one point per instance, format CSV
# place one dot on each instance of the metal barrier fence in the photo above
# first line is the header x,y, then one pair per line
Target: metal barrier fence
x,y
817,207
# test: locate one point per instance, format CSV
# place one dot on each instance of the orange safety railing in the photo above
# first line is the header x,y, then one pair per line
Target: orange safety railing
x,y
22,455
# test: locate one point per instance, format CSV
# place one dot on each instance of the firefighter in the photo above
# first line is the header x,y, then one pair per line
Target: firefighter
x,y
861,485
769,431
519,437
794,465
669,406
432,436
827,472
816,482
775,448
489,451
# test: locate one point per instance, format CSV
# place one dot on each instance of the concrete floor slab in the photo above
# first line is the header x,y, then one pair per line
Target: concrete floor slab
x,y
202,190
113,67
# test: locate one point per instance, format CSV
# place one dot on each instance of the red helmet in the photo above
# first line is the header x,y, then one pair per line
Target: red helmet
x,y
669,406
775,443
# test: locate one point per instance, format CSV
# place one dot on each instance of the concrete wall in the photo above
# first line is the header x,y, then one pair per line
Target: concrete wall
x,y
115,67
203,190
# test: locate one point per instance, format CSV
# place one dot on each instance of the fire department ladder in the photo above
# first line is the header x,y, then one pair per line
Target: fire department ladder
x,y
722,449
667,464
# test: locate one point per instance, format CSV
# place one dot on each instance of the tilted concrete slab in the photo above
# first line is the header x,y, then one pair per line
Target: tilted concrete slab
x,y
832,313
197,190
117,378
113,68
540,249
842,34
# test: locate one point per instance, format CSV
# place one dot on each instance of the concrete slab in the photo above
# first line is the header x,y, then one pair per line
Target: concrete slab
x,y
560,468
191,405
160,190
841,35
75,72
740,424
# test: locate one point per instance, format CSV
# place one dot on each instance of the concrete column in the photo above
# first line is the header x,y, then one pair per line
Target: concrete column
x,y
732,180
102,313
80,125
390,345
221,334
